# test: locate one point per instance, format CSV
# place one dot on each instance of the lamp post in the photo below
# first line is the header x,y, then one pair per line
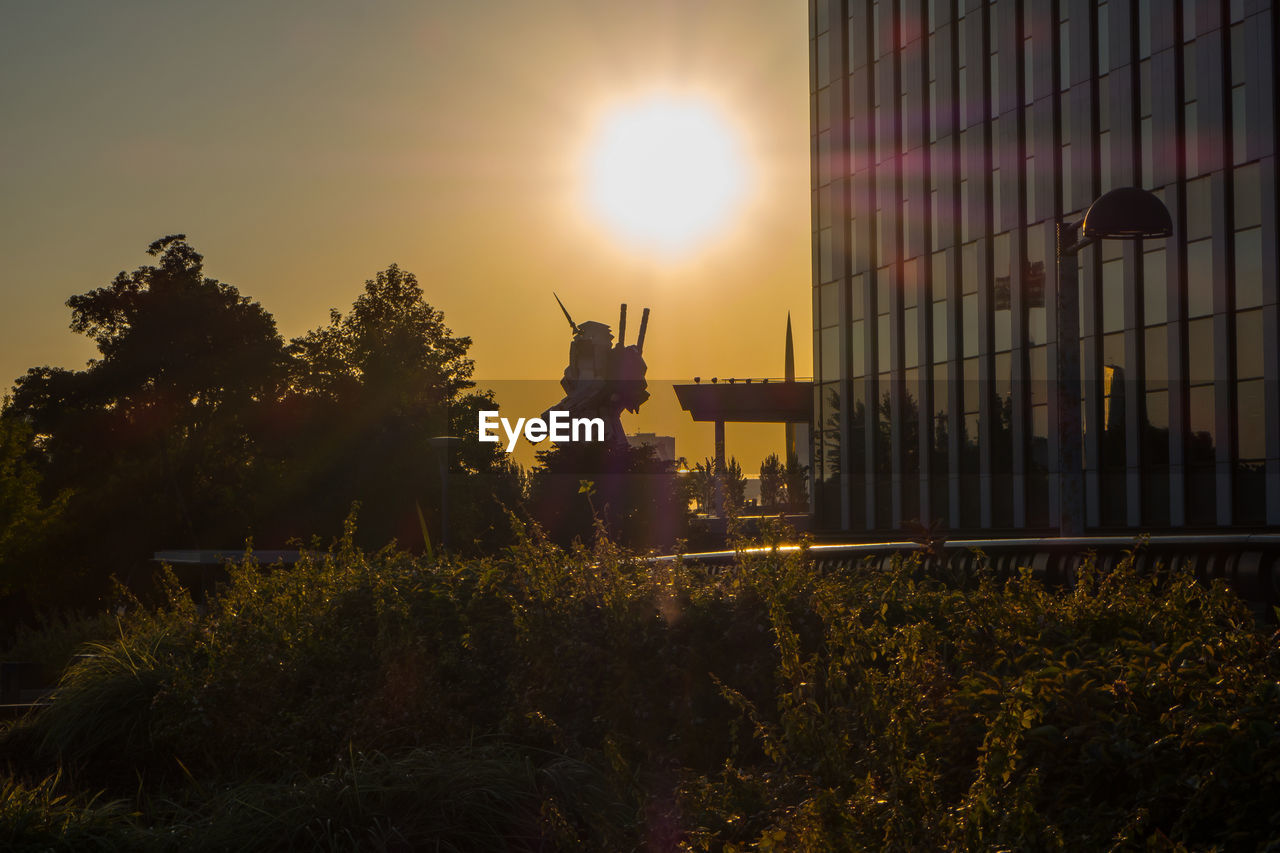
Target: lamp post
x,y
442,444
1127,213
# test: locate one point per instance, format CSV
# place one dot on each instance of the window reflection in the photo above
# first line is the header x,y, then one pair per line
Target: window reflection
x,y
969,334
1249,344
830,344
1201,485
827,302
1199,209
1200,351
1156,345
1248,196
1249,268
911,337
1203,424
1155,287
1252,433
882,342
939,331
1199,278
1155,458
1113,295
859,347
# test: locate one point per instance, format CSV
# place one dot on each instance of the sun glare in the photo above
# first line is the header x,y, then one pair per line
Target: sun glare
x,y
664,173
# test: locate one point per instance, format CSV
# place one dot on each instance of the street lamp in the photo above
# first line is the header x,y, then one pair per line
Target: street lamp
x,y
1127,213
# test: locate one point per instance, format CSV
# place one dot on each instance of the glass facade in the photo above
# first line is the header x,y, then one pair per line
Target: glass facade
x,y
949,139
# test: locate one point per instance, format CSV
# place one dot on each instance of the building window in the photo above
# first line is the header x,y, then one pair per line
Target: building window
x,y
1248,256
1156,350
1201,452
1113,290
1199,278
1155,287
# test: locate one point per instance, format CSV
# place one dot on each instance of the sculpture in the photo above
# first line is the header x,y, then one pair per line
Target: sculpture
x,y
603,378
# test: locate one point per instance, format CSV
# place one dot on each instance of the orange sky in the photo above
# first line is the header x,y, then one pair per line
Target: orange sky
x,y
303,146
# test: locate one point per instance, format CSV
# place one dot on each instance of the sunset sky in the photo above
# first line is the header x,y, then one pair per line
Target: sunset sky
x,y
302,147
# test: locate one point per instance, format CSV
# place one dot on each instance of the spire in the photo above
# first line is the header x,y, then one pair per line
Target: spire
x,y
789,374
789,364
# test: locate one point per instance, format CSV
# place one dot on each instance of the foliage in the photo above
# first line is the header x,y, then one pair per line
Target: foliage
x,y
368,392
917,713
735,486
26,518
50,639
392,346
542,699
197,427
795,479
772,485
710,475
703,478
470,798
150,438
626,493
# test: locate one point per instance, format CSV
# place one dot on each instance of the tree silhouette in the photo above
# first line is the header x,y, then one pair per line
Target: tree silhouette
x,y
772,483
367,392
153,435
26,518
638,498
795,481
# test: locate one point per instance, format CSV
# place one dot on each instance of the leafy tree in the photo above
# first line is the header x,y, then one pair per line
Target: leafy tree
x,y
772,485
368,391
171,337
154,435
26,518
392,346
707,475
636,497
795,479
703,476
735,486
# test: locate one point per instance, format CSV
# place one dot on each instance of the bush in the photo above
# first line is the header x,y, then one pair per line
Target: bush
x,y
587,699
914,713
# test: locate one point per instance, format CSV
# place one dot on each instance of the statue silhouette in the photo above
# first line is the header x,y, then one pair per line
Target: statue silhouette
x,y
603,379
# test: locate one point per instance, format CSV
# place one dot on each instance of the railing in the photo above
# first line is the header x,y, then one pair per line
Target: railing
x,y
1249,563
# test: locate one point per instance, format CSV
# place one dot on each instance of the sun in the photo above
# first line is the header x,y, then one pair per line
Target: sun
x,y
664,173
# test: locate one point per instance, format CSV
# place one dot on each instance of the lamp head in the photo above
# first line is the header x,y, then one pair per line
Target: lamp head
x,y
1127,213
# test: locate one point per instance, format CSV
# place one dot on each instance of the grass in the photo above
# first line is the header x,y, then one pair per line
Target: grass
x,y
544,700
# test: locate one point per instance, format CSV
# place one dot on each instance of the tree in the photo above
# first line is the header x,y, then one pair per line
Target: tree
x,y
26,518
795,479
638,498
772,484
368,391
154,435
704,484
710,474
393,346
169,336
735,486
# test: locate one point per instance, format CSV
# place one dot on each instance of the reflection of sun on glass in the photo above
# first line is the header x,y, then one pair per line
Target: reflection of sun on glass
x,y
664,173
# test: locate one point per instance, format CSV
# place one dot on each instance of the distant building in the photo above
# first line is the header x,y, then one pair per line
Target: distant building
x,y
663,445
949,138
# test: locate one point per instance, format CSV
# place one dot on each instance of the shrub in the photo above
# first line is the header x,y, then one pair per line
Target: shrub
x,y
588,699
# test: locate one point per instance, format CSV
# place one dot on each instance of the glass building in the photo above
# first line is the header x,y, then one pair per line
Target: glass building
x,y
949,138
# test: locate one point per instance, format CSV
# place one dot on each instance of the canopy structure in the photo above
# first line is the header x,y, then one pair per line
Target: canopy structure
x,y
747,401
